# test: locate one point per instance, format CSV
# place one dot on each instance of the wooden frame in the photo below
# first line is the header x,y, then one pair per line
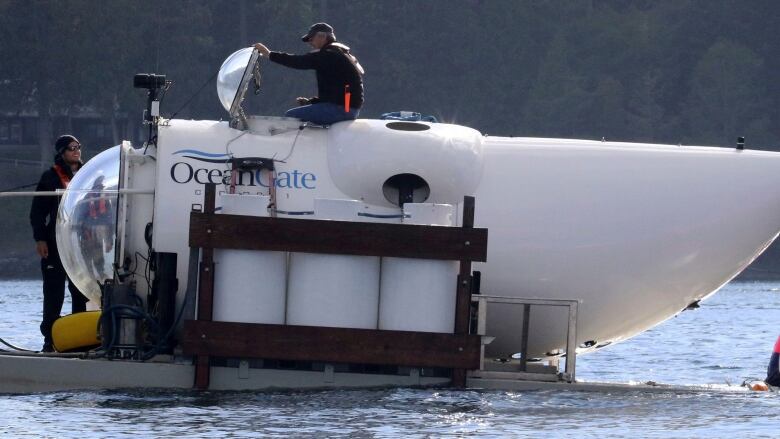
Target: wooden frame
x,y
333,345
209,230
204,338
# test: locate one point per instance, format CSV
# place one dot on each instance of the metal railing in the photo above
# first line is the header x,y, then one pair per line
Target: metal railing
x,y
61,192
571,330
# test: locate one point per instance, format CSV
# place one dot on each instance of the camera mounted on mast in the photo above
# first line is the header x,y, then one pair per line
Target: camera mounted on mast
x,y
154,84
239,70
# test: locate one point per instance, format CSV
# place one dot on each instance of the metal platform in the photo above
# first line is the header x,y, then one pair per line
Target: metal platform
x,y
32,373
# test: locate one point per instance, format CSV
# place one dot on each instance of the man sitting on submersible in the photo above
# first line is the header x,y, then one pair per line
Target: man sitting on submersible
x,y
339,77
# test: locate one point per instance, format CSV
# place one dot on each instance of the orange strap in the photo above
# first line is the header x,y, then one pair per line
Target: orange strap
x,y
64,179
93,213
347,97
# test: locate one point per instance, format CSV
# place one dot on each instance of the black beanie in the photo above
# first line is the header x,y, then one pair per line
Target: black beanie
x,y
63,142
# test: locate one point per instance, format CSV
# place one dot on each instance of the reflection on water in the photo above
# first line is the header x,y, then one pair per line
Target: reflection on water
x,y
725,341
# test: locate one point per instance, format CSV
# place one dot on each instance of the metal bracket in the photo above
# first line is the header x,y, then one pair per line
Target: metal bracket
x,y
251,75
571,338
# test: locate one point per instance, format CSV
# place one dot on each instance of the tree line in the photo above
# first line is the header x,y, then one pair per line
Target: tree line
x,y
699,72
689,71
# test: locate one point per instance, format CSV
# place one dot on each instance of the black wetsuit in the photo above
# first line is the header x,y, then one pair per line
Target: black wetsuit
x,y
773,371
43,218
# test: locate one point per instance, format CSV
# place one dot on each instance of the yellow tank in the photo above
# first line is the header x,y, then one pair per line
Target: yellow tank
x,y
76,331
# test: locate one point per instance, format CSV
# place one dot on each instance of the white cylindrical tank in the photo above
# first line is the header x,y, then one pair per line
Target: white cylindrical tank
x,y
249,286
419,294
334,290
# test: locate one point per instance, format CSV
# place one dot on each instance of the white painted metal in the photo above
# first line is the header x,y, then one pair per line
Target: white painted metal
x,y
429,214
136,212
364,153
419,294
192,153
249,286
636,231
334,290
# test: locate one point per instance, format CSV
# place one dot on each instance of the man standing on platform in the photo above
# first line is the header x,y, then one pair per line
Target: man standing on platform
x,y
43,218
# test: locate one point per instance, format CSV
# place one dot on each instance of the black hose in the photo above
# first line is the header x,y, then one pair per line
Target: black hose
x,y
115,311
161,344
14,347
137,313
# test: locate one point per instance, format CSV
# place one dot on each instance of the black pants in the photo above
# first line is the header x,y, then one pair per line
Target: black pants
x,y
773,371
54,293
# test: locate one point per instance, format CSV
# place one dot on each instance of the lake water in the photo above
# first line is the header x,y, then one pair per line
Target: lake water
x,y
724,342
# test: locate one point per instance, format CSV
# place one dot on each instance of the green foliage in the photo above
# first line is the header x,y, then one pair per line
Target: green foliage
x,y
693,71
726,94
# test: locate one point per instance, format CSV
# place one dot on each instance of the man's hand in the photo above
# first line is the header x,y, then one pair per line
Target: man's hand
x,y
303,101
42,249
262,49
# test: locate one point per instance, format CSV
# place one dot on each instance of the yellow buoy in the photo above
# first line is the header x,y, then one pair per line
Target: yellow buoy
x,y
76,331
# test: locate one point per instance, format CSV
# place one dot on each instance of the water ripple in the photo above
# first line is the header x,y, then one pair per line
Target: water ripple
x,y
724,342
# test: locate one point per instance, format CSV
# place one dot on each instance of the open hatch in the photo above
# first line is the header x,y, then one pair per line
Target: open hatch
x,y
239,70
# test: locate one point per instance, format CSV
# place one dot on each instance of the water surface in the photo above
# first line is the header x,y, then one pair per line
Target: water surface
x,y
724,342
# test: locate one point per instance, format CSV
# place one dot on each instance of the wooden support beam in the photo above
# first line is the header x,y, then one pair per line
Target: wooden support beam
x,y
337,237
205,292
202,372
524,337
463,294
340,345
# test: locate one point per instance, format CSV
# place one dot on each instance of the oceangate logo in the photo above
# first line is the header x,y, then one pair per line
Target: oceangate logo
x,y
184,173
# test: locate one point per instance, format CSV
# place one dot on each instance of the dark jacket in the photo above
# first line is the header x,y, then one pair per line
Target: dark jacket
x,y
335,70
43,212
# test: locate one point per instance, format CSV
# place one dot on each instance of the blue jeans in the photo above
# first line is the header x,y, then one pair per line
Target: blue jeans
x,y
322,113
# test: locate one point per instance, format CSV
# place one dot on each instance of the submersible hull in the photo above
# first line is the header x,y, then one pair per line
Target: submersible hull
x,y
636,232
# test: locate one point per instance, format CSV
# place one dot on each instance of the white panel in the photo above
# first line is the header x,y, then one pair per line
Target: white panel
x,y
249,286
334,290
419,294
192,153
